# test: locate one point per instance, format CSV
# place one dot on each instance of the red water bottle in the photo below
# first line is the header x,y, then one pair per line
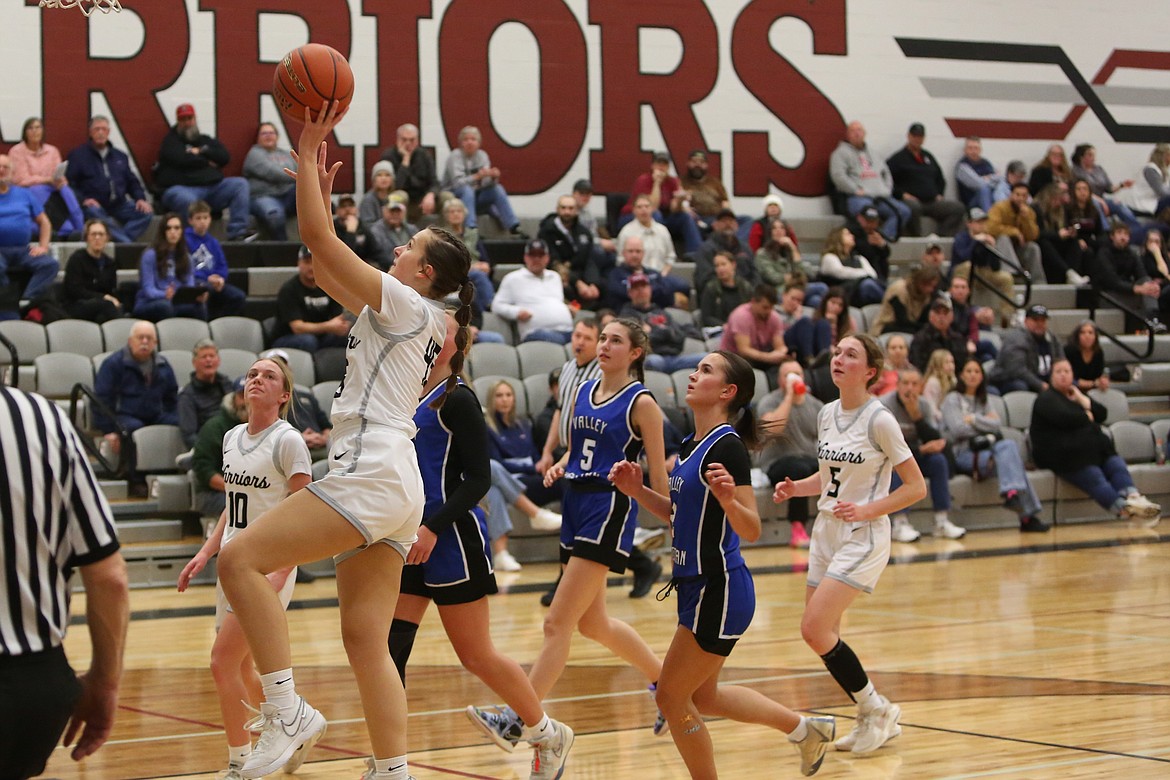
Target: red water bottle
x,y
799,387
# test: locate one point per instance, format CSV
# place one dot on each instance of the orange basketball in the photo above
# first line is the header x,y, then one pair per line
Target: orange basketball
x,y
309,75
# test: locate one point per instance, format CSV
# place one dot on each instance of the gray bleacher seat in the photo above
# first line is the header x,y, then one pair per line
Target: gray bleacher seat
x,y
493,359
684,271
497,324
539,357
994,338
157,447
662,386
324,392
115,333
98,359
301,363
266,282
320,468
1019,405
58,372
1133,441
680,317
1161,430
181,332
995,403
234,363
692,346
869,313
28,338
483,386
1155,378
237,333
761,386
1114,401
680,379
180,360
536,386
80,337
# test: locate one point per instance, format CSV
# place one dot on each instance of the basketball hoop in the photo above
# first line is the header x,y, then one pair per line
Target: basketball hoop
x,y
87,6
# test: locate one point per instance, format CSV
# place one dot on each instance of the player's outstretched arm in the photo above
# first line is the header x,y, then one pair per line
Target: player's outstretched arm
x,y
339,271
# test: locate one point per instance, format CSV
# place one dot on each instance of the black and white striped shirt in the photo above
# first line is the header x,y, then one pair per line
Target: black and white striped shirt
x,y
572,375
53,519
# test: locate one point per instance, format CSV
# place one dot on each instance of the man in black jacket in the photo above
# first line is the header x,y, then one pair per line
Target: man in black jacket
x,y
570,249
937,333
920,184
1119,270
190,168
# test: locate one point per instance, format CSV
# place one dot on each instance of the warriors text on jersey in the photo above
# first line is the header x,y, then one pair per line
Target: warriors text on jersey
x,y
704,542
256,470
858,450
388,358
602,434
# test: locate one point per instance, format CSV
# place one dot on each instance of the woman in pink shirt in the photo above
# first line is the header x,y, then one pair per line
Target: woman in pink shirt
x,y
34,165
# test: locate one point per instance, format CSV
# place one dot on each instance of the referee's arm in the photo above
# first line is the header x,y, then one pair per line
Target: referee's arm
x,y
107,613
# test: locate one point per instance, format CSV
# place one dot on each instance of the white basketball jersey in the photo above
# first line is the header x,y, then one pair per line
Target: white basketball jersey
x,y
857,451
256,470
389,355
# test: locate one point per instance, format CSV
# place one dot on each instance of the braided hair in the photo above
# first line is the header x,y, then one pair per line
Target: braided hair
x,y
450,262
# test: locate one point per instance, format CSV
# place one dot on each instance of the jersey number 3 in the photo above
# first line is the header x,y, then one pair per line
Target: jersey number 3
x,y
834,485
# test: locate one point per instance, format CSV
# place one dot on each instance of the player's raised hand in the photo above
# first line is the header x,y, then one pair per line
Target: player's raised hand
x,y
784,490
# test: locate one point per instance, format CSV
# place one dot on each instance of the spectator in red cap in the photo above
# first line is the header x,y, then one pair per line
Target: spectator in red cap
x,y
190,168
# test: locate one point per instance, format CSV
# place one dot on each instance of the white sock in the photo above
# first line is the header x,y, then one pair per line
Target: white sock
x,y
867,699
940,518
238,755
280,690
542,731
800,732
391,768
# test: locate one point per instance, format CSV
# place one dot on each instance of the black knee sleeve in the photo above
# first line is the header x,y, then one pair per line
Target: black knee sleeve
x,y
843,665
401,643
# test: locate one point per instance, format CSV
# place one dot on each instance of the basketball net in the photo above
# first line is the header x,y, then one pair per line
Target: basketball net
x,y
87,6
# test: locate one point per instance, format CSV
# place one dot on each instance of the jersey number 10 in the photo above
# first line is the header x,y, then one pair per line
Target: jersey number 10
x,y
237,504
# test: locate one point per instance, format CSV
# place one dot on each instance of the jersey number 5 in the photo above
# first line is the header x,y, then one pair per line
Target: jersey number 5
x,y
834,485
587,454
237,510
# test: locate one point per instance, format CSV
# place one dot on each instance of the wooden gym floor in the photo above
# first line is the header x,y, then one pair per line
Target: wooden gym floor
x,y
1012,657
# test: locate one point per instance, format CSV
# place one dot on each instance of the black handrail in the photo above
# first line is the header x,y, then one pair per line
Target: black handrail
x,y
972,278
127,447
1093,301
8,345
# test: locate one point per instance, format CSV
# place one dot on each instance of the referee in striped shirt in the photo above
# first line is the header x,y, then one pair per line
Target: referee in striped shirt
x,y
53,519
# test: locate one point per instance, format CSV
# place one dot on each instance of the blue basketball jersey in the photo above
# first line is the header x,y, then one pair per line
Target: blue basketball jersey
x,y
432,445
602,434
704,541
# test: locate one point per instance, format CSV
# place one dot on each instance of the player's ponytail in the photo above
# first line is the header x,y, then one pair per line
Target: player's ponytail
x,y
462,341
738,372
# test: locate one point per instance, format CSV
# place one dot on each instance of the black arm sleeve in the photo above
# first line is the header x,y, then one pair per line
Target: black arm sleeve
x,y
462,415
731,452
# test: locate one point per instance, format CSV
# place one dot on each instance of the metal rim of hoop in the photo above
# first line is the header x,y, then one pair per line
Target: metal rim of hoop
x,y
87,6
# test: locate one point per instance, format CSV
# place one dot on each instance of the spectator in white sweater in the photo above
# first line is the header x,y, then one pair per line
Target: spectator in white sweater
x,y
534,298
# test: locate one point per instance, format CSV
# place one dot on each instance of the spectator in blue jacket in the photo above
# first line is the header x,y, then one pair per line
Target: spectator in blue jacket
x,y
108,189
138,385
209,264
166,279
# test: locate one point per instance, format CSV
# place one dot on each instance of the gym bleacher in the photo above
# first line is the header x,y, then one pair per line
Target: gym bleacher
x,y
160,531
